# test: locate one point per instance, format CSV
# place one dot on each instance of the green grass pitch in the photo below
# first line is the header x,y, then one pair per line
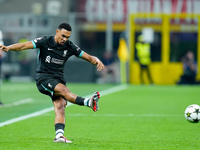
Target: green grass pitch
x,y
136,118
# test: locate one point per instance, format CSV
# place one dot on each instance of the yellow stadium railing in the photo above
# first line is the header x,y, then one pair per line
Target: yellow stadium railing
x,y
163,72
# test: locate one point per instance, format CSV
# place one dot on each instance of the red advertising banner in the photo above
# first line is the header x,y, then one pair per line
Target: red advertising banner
x,y
118,10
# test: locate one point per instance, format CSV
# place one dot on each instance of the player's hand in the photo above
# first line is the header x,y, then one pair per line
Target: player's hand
x,y
1,53
4,48
100,65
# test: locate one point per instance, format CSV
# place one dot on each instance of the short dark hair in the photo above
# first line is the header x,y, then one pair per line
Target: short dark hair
x,y
65,26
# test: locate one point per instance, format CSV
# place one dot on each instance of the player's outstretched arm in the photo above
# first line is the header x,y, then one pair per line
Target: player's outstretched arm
x,y
93,60
17,47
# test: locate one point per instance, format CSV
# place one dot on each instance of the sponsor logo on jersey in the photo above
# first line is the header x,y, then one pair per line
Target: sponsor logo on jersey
x,y
57,61
54,60
48,59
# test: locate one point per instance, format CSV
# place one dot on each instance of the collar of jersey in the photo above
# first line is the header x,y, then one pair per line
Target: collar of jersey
x,y
53,44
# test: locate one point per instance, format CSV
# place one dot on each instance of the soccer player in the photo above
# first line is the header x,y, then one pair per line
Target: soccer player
x,y
53,52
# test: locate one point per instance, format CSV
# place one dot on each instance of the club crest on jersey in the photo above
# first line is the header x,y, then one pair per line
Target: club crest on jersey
x,y
65,53
48,59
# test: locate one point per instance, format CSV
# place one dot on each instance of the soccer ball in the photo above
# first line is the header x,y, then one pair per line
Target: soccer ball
x,y
192,113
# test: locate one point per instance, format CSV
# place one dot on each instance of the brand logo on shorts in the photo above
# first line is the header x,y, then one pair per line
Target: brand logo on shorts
x,y
49,85
48,59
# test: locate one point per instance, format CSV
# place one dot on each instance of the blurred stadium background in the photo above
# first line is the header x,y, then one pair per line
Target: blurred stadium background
x,y
172,27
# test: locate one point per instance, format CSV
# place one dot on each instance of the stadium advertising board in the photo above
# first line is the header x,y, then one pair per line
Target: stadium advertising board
x,y
96,10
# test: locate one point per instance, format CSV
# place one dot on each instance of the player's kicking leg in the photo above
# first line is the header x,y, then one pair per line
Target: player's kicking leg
x,y
89,102
63,91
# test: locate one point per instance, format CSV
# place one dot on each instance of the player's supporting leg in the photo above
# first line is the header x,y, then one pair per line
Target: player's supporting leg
x,y
63,91
59,107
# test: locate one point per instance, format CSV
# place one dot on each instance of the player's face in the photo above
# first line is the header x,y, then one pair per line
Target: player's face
x,y
62,36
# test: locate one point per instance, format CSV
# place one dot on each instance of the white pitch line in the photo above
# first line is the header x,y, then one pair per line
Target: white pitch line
x,y
125,115
38,113
17,103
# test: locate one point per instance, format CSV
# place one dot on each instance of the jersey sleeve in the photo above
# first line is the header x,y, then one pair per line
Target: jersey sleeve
x,y
37,43
77,51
